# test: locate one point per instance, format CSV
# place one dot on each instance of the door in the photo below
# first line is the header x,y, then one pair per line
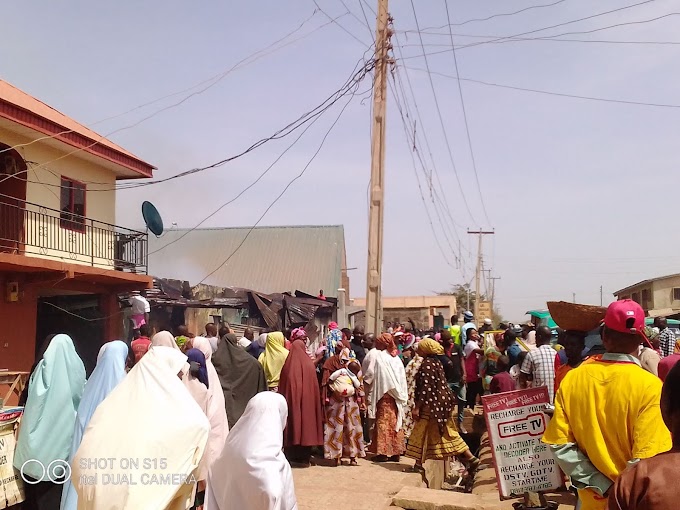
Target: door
x,y
13,172
78,316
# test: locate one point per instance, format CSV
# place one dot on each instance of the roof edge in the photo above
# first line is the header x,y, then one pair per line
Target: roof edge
x,y
642,282
32,120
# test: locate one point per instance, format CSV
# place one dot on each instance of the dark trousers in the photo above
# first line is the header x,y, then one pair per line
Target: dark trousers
x,y
473,389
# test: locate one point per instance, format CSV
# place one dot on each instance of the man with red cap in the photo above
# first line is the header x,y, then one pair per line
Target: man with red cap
x,y
607,411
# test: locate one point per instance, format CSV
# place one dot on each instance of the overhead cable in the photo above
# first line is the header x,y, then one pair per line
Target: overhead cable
x,y
441,120
465,119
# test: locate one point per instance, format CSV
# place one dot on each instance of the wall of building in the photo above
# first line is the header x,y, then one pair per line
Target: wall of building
x,y
655,295
43,189
663,293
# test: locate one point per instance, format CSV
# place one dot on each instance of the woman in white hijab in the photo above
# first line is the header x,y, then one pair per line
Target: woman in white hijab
x,y
252,472
164,339
217,409
153,434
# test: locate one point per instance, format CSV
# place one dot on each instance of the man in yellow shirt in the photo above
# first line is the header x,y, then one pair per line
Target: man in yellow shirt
x,y
607,411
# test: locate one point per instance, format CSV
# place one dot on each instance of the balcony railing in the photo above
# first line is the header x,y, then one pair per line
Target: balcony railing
x,y
34,230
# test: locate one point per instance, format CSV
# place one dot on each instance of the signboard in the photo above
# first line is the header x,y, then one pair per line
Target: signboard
x,y
11,484
516,422
483,311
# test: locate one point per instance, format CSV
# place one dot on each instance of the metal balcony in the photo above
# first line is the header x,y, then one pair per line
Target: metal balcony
x,y
33,230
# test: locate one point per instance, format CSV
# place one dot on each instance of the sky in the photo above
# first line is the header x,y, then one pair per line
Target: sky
x,y
578,192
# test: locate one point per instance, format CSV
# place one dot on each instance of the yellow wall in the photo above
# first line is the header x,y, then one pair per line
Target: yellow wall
x,y
661,292
43,189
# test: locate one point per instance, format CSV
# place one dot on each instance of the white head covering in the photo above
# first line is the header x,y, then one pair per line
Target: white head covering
x,y
388,378
252,471
217,409
101,352
262,340
165,339
150,416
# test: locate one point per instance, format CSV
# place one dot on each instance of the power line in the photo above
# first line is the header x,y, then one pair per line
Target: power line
x,y
499,15
214,79
281,133
411,136
551,93
522,39
241,193
554,26
338,24
323,140
433,190
441,119
467,127
415,171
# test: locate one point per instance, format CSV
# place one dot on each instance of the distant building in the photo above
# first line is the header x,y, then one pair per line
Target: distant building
x,y
63,260
427,312
265,259
657,296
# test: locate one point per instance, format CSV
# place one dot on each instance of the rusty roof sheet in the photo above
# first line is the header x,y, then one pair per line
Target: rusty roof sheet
x,y
271,259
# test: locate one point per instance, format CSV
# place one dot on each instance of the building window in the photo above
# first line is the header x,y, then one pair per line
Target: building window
x,y
72,205
646,298
636,297
676,294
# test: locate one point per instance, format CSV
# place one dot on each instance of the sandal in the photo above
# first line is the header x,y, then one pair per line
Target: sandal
x,y
415,469
353,462
473,465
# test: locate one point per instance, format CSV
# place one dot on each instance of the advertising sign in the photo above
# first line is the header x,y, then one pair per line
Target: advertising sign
x,y
484,311
516,422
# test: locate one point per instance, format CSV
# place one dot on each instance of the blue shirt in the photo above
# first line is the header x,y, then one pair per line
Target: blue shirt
x,y
464,330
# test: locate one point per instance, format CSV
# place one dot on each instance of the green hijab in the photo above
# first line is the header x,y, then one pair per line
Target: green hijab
x,y
48,423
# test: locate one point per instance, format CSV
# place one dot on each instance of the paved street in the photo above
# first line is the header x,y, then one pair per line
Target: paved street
x,y
368,486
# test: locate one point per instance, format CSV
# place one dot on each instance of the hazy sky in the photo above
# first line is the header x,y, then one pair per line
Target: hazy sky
x,y
579,192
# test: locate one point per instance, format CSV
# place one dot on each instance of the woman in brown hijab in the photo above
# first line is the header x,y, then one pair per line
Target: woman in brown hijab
x,y
300,387
649,484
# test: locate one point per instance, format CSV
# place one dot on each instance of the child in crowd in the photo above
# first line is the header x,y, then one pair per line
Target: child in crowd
x,y
502,381
515,370
345,381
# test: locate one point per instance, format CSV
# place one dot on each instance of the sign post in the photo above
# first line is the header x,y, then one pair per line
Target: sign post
x,y
516,421
484,311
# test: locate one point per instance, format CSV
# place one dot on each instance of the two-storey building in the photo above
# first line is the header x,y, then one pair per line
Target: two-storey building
x,y
63,260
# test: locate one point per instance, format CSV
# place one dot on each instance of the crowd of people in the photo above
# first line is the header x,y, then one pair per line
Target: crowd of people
x,y
232,414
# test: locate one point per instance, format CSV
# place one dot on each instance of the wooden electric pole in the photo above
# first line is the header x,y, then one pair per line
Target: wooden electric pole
x,y
478,273
377,185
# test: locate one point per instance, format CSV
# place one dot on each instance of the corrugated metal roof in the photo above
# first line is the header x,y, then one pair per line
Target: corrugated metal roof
x,y
272,259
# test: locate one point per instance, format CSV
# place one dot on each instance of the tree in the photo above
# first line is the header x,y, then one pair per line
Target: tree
x,y
461,291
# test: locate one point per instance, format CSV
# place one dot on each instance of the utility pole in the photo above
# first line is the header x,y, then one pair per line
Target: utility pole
x,y
493,291
601,300
377,185
478,273
573,297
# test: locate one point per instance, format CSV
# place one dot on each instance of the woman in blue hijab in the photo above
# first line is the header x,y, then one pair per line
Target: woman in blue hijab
x,y
197,366
110,371
46,432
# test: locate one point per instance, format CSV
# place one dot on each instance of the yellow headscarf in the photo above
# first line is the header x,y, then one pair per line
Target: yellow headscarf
x,y
429,346
273,357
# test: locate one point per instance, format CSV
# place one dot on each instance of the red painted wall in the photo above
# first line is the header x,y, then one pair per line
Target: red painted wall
x,y
18,320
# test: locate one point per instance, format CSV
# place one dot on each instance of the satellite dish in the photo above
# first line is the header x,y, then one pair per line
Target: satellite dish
x,y
152,218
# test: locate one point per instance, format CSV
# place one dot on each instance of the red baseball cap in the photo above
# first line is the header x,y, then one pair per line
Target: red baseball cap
x,y
625,316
